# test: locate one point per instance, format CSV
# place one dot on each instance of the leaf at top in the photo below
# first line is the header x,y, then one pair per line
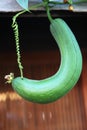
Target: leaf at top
x,y
23,3
70,1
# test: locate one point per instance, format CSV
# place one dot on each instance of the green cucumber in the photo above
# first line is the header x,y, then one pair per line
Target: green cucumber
x,y
50,89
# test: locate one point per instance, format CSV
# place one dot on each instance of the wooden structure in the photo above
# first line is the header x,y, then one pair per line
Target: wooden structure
x,y
40,58
12,6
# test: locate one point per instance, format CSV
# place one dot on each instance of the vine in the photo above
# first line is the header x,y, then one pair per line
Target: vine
x,y
16,35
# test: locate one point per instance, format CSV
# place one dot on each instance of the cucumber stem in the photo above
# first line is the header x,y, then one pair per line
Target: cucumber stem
x,y
48,14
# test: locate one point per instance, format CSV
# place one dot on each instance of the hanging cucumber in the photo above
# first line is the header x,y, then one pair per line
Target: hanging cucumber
x,y
50,89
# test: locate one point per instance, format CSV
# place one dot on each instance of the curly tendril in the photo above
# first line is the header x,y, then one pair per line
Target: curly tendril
x,y
16,35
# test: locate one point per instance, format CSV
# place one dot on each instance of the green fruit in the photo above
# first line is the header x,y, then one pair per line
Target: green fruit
x,y
52,88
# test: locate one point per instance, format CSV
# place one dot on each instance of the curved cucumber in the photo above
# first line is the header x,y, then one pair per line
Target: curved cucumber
x,y
56,86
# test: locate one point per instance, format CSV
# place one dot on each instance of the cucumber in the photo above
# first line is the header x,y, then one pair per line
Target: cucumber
x,y
53,88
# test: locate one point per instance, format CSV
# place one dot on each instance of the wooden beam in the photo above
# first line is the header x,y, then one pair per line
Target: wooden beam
x,y
12,6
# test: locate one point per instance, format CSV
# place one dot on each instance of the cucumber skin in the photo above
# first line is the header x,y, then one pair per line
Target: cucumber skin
x,y
50,89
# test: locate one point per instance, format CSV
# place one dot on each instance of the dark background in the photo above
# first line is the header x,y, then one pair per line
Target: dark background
x,y
35,33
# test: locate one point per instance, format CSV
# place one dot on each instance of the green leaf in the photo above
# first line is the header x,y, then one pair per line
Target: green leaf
x,y
23,4
69,1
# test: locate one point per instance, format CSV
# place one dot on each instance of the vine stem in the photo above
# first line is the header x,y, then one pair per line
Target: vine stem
x,y
16,35
48,14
